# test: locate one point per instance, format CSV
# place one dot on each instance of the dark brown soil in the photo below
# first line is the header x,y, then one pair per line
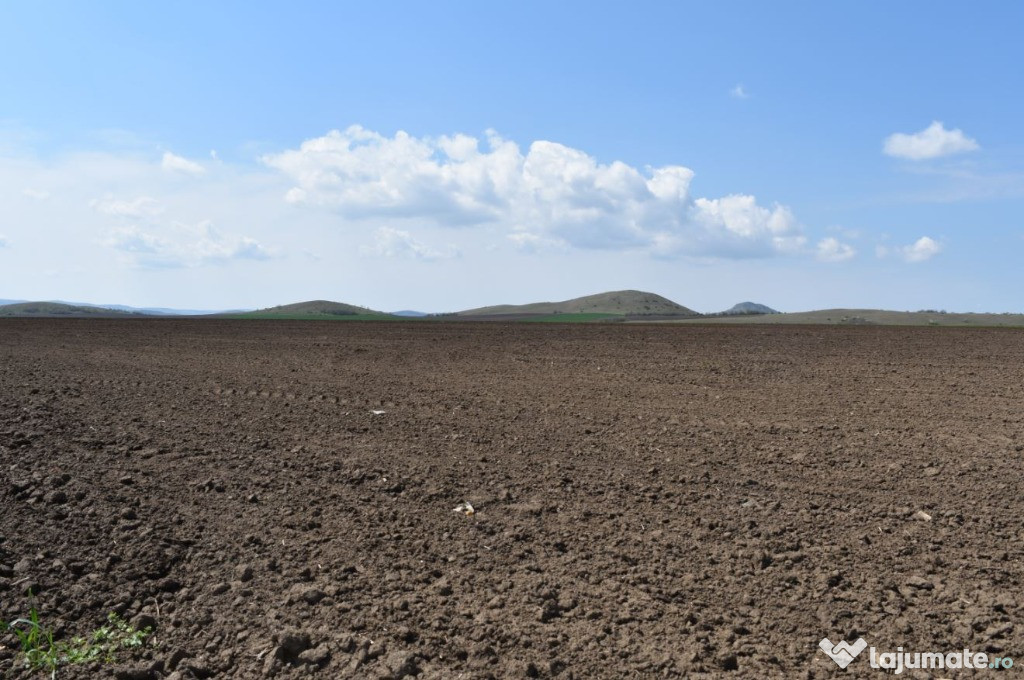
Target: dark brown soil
x,y
650,501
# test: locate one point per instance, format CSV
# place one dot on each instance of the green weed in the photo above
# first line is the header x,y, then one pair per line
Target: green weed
x,y
39,651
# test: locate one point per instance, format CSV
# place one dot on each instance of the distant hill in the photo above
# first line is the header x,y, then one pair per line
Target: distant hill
x,y
750,308
156,311
615,303
59,309
873,317
165,311
315,309
149,311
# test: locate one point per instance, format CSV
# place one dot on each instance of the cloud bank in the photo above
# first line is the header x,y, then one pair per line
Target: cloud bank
x,y
550,196
924,248
389,242
175,163
934,141
831,249
182,245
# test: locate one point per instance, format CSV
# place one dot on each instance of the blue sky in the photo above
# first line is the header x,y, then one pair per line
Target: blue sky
x,y
446,155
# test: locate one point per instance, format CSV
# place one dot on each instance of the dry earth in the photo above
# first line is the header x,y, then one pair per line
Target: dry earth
x,y
651,501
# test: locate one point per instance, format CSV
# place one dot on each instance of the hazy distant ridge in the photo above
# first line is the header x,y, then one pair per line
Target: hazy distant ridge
x,y
620,302
750,308
50,309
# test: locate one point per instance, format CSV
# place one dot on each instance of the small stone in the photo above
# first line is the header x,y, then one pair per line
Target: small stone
x,y
361,656
23,565
401,664
176,657
999,630
144,621
199,669
127,480
169,585
243,572
922,516
376,649
133,673
920,583
272,664
293,644
318,656
220,588
566,603
548,612
312,596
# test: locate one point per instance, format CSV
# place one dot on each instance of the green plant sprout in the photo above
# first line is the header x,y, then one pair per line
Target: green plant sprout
x,y
39,651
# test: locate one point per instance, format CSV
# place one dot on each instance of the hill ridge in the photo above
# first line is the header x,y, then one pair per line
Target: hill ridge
x,y
44,308
313,309
614,303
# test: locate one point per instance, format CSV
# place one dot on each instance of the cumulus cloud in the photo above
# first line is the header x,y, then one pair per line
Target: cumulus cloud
x,y
175,163
739,92
920,250
143,206
552,195
389,242
934,141
532,243
831,249
183,245
121,209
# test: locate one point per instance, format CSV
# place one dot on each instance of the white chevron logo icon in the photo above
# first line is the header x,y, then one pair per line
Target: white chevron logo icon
x,y
843,653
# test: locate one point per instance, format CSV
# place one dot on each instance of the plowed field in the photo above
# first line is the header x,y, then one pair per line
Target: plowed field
x,y
276,498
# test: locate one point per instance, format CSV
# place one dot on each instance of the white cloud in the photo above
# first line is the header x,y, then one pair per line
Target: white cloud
x,y
37,194
552,195
932,142
920,250
176,163
3,241
739,92
119,209
143,206
389,242
181,245
831,249
532,243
